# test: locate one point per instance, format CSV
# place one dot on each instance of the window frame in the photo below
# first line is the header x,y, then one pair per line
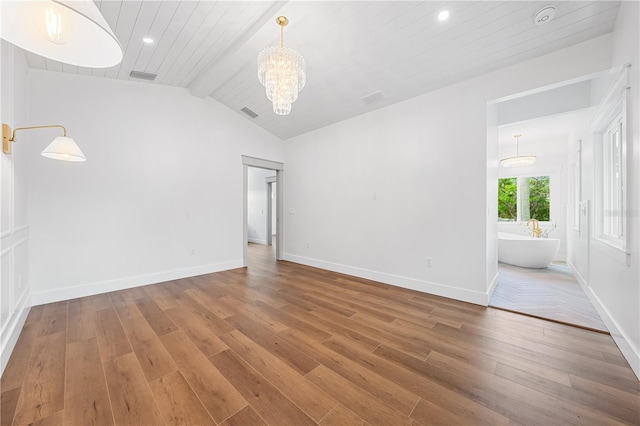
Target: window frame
x,y
612,114
613,184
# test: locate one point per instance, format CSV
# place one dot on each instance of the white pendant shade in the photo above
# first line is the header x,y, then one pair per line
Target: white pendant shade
x,y
522,160
518,160
73,32
65,149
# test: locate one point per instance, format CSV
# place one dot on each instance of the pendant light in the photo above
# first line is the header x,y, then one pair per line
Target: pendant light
x,y
283,73
73,32
518,160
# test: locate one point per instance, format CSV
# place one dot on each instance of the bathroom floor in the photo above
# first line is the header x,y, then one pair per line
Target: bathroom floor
x,y
551,293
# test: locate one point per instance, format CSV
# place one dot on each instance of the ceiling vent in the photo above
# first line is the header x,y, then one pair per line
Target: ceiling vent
x,y
374,98
249,112
141,75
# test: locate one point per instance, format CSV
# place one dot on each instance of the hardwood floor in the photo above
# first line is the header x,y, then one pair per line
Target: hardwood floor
x,y
284,344
552,293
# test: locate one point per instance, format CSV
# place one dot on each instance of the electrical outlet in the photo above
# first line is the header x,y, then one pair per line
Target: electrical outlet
x,y
193,252
308,244
429,262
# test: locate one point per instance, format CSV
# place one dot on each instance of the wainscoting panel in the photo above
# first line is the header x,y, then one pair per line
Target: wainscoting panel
x,y
15,299
6,264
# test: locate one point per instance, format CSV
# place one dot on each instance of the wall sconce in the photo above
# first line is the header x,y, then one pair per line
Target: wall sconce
x,y
62,147
73,32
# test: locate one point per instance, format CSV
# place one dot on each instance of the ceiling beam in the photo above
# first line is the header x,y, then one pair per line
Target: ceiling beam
x,y
209,80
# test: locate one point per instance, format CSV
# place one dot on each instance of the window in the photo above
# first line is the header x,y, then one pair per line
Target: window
x,y
612,181
523,198
611,193
610,159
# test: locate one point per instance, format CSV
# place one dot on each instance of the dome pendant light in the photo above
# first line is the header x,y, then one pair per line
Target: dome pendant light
x,y
518,160
283,73
72,32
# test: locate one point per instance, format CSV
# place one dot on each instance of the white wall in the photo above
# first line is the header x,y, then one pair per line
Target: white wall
x,y
426,160
569,97
257,204
160,196
613,286
15,299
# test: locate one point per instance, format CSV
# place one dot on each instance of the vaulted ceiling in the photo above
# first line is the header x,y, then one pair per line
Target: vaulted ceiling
x,y
352,48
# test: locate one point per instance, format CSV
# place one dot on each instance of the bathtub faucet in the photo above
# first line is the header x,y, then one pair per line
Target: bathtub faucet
x,y
535,228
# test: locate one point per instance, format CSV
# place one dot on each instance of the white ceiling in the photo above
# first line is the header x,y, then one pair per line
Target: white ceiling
x,y
352,48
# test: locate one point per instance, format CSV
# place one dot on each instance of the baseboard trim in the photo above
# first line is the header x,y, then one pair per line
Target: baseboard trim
x,y
492,287
12,331
256,241
437,289
90,289
631,354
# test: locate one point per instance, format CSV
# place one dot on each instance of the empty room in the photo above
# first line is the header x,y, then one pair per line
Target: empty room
x,y
319,212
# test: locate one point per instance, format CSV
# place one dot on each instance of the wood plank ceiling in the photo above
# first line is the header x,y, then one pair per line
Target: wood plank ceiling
x,y
352,48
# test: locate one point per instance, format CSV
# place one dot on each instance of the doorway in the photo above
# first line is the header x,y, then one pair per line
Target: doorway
x,y
537,204
268,220
272,214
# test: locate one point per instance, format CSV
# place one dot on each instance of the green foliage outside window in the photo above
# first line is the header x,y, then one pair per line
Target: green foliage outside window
x,y
508,199
539,198
534,199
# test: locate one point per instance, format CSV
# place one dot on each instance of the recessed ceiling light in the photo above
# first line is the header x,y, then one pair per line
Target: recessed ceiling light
x,y
148,40
444,15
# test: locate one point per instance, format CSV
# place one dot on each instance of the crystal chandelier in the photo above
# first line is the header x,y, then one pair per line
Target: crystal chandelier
x,y
518,160
283,73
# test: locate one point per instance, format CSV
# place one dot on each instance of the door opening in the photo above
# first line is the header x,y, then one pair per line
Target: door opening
x,y
544,203
272,192
266,220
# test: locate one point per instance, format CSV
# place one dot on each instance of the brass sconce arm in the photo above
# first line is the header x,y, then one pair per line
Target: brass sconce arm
x,y
9,136
62,148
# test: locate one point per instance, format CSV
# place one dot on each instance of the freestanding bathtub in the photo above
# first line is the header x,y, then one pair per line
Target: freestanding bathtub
x,y
528,252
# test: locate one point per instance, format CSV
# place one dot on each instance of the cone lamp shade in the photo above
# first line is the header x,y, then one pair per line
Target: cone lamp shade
x,y
65,149
73,32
